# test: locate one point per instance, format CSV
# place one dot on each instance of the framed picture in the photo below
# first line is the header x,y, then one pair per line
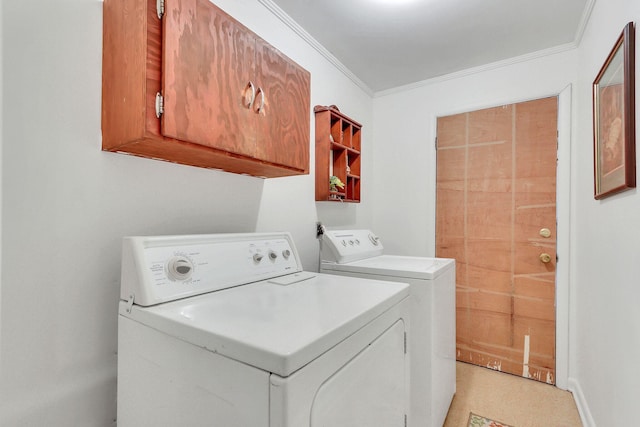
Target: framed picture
x,y
614,119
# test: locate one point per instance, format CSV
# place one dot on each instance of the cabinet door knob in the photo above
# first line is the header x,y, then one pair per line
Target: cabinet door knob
x,y
253,94
261,106
544,257
545,232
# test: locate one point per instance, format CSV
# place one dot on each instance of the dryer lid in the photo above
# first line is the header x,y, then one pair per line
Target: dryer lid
x,y
276,325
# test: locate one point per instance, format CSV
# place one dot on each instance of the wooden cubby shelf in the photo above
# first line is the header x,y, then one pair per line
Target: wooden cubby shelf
x,y
338,144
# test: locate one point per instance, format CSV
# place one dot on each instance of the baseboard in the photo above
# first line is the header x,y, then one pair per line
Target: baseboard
x,y
581,403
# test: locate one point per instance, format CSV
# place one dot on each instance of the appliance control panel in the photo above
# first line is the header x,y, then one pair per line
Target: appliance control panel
x,y
166,268
343,246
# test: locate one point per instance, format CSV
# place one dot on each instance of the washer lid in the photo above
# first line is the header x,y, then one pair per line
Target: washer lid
x,y
396,266
275,325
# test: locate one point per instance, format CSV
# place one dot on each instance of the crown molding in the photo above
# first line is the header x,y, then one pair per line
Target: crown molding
x,y
479,69
287,20
302,33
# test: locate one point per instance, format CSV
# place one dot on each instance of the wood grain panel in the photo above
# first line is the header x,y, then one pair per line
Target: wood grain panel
x,y
123,100
451,168
133,73
507,187
541,336
530,220
450,207
452,131
489,279
464,322
480,299
491,125
534,308
207,64
489,215
489,254
491,327
284,120
490,168
536,286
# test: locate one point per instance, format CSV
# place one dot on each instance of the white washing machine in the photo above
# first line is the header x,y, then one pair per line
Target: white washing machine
x,y
227,330
432,343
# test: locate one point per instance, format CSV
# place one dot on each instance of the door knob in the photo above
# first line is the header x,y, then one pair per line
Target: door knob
x,y
545,232
544,257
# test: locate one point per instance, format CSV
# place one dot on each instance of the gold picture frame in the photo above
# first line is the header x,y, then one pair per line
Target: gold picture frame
x,y
614,119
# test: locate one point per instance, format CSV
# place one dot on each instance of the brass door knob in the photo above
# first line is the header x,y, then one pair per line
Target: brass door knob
x,y
544,257
545,232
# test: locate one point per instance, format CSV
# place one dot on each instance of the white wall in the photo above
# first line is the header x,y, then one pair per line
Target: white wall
x,y
66,205
606,248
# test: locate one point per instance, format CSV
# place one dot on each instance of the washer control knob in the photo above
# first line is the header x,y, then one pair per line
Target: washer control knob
x,y
286,253
179,268
344,243
273,255
374,239
257,257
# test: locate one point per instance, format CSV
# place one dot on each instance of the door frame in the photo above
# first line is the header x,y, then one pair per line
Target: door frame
x,y
563,246
563,214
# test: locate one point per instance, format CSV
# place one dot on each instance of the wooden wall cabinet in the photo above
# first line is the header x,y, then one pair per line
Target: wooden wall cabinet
x,y
229,101
338,143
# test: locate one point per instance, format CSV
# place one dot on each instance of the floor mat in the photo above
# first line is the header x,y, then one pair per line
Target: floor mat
x,y
480,421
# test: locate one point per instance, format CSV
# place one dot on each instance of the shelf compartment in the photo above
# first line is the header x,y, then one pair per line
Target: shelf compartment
x,y
338,144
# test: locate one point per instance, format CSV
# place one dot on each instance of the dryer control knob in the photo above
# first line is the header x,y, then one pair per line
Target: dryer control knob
x,y
273,255
179,268
374,239
286,253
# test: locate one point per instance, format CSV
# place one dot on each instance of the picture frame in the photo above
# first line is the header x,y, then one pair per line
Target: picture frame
x,y
614,119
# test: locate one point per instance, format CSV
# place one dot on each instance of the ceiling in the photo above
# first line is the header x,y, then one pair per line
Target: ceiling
x,y
391,43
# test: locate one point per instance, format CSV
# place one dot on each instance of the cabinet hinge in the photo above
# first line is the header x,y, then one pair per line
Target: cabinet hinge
x,y
436,143
160,8
159,105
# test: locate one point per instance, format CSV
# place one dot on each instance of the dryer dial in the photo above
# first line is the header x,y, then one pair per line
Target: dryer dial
x,y
179,268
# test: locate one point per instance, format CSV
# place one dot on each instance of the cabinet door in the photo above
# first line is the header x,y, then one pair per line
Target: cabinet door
x,y
283,121
207,64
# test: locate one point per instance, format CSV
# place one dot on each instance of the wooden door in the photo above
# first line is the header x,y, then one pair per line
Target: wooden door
x,y
208,62
284,107
496,215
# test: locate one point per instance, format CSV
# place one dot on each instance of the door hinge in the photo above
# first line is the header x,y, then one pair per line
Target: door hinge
x,y
159,105
160,8
405,420
435,143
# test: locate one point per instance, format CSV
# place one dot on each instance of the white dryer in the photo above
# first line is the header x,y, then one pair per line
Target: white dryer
x,y
432,343
227,330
